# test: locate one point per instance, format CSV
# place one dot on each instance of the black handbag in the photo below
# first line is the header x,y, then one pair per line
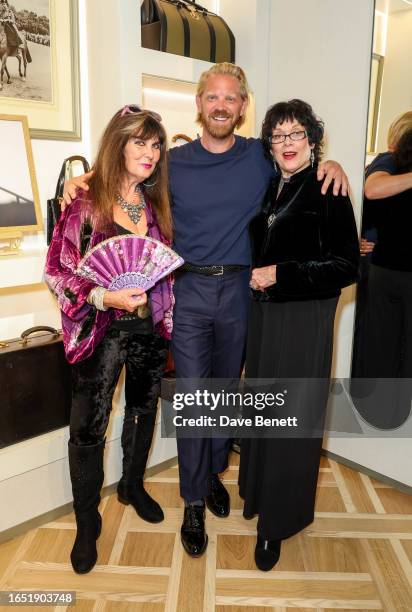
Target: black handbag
x,y
35,383
53,204
185,28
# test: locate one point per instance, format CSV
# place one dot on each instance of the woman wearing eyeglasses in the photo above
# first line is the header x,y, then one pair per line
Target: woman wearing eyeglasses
x,y
305,249
105,330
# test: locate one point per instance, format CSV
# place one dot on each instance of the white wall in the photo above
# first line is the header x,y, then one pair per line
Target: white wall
x,y
397,80
251,26
315,62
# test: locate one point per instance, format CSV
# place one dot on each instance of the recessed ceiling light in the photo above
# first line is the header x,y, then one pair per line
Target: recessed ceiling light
x,y
168,94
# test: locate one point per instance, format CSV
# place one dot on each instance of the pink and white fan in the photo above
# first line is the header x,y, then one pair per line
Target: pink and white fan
x,y
128,261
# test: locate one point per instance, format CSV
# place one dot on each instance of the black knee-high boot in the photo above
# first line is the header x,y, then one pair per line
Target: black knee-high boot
x,y
136,441
86,473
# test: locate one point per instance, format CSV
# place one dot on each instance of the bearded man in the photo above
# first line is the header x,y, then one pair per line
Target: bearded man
x,y
217,185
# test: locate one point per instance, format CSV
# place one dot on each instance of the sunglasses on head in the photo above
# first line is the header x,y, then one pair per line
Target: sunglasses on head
x,y
133,109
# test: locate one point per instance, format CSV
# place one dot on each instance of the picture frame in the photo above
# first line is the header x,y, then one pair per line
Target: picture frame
x,y
375,93
20,209
50,95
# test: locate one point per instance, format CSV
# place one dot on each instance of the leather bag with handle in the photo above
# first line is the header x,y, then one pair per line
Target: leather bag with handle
x,y
35,383
53,205
185,28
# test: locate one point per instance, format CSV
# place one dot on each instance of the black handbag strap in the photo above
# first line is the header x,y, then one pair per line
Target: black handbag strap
x,y
63,171
147,12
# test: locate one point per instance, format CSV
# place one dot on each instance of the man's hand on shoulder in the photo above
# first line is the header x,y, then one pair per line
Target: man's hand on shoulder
x,y
72,185
329,171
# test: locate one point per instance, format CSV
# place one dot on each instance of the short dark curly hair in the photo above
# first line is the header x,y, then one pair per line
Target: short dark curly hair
x,y
297,110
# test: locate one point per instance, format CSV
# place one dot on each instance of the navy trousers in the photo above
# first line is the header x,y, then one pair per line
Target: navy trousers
x,y
209,336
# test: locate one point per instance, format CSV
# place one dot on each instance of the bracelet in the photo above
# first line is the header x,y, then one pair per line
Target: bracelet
x,y
96,296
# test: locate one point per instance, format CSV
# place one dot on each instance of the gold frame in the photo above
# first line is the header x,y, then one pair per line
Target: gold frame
x,y
374,102
58,119
7,231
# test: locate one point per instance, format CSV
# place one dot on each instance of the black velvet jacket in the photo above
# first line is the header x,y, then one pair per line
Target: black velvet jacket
x,y
312,239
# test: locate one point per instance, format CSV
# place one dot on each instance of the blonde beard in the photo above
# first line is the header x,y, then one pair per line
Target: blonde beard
x,y
219,132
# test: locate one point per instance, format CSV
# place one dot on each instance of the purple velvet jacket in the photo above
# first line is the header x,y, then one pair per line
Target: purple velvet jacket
x,y
83,325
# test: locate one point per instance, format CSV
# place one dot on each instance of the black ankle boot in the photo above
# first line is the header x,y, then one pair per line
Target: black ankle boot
x,y
146,507
86,473
267,553
137,437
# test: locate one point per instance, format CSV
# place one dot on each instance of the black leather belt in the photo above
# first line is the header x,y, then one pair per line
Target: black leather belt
x,y
211,270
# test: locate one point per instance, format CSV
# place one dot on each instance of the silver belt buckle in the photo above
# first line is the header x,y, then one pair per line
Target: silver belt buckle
x,y
220,273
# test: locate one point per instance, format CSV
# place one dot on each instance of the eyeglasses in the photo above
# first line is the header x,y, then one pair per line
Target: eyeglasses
x,y
278,138
133,109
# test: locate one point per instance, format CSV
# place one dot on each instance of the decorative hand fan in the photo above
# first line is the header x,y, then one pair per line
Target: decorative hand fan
x,y
128,261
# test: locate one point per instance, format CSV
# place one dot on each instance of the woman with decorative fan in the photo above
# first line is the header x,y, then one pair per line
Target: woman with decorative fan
x,y
110,247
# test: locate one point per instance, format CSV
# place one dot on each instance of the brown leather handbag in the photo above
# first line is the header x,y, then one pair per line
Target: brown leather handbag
x,y
185,28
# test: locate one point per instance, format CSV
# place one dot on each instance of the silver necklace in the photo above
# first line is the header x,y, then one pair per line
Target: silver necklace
x,y
133,210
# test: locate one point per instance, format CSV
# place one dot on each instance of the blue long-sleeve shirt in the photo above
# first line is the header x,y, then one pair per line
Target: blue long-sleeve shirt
x,y
214,197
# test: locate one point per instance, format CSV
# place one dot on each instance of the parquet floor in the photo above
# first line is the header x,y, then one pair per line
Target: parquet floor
x,y
357,555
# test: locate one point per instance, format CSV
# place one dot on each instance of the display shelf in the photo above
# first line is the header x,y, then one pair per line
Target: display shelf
x,y
25,268
171,66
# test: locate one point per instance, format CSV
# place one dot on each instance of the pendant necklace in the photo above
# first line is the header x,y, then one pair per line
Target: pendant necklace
x,y
133,210
282,182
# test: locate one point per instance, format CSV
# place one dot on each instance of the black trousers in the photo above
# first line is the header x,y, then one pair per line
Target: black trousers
x,y
278,476
381,387
387,338
94,381
360,312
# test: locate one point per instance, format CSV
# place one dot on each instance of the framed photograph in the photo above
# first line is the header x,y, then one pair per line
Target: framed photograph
x,y
19,196
40,41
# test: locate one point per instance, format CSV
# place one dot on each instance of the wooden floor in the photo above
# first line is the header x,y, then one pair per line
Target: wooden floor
x,y
357,555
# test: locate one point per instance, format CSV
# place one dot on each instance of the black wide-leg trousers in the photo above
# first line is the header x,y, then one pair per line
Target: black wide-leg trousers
x,y
94,381
278,476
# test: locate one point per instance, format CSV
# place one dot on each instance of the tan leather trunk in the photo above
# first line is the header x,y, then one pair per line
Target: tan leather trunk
x,y
186,28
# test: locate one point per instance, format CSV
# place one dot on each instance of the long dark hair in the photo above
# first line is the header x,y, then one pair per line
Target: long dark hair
x,y
109,167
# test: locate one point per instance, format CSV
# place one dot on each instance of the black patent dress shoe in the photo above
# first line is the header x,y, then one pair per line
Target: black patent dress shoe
x,y
192,532
218,500
267,553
